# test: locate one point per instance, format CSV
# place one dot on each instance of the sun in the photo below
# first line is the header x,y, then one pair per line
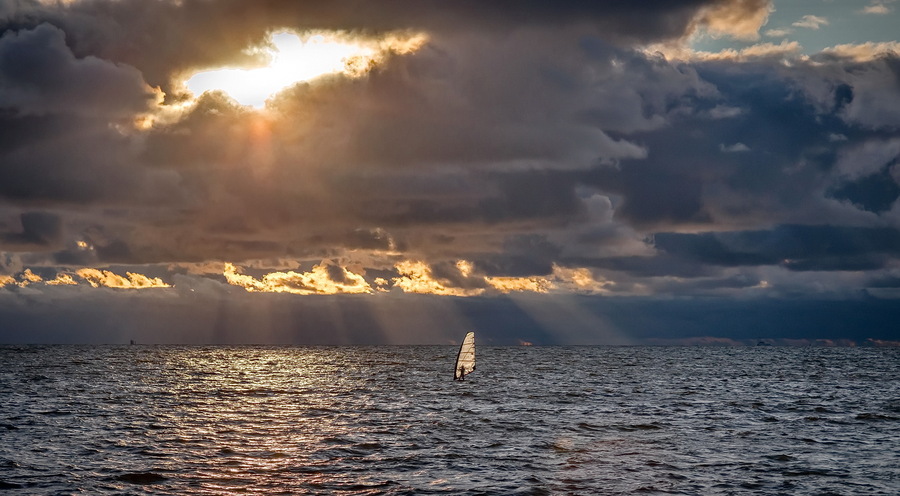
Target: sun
x,y
295,58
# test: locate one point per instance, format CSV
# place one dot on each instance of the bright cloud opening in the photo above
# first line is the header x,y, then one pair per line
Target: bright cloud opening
x,y
295,59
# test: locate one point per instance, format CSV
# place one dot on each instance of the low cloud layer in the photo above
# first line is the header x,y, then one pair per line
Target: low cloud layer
x,y
517,148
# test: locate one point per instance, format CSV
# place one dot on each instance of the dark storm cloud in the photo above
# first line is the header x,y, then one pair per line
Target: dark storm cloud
x,y
58,141
369,239
39,229
522,136
530,195
662,264
95,59
208,33
454,102
796,247
429,141
40,75
243,318
769,145
876,192
522,255
84,165
868,91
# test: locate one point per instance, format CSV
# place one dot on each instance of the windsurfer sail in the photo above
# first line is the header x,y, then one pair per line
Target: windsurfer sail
x,y
465,360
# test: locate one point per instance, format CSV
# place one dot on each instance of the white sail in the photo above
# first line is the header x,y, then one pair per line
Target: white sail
x,y
465,360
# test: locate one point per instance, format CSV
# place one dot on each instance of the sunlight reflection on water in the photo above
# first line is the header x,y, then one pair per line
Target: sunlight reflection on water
x,y
390,420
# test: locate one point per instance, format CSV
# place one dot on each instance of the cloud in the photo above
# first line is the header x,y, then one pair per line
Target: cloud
x,y
324,278
734,148
778,33
862,52
62,279
546,147
784,50
69,123
39,75
795,247
40,230
303,57
239,317
811,22
26,278
131,280
866,158
877,8
514,284
870,74
94,277
578,280
738,19
418,277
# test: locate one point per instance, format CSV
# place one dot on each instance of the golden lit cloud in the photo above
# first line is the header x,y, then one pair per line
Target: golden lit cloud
x,y
416,277
861,52
785,49
578,279
740,19
98,278
295,58
62,279
329,278
29,277
516,284
322,279
25,278
864,52
465,267
94,277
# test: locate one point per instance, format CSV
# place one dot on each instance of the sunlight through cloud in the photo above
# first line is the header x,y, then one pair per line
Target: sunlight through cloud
x,y
294,58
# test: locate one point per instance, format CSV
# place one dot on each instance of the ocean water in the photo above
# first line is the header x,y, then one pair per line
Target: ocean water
x,y
390,420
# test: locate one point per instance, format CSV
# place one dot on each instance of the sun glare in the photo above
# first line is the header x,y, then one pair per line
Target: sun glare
x,y
295,59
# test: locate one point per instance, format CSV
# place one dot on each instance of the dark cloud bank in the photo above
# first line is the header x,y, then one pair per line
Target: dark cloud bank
x,y
422,319
745,198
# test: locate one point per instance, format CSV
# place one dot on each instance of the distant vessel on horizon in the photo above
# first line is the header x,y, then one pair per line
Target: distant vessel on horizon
x,y
465,359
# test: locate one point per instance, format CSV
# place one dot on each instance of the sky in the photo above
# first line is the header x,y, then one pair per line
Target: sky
x,y
400,172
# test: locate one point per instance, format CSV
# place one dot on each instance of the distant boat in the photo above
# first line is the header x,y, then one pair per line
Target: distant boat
x,y
465,360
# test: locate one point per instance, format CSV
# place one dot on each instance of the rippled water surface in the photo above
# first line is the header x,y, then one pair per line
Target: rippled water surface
x,y
389,420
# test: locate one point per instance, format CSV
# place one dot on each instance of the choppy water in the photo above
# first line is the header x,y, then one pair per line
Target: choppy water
x,y
389,420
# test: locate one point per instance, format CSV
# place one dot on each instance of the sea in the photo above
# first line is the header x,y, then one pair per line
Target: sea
x,y
140,420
